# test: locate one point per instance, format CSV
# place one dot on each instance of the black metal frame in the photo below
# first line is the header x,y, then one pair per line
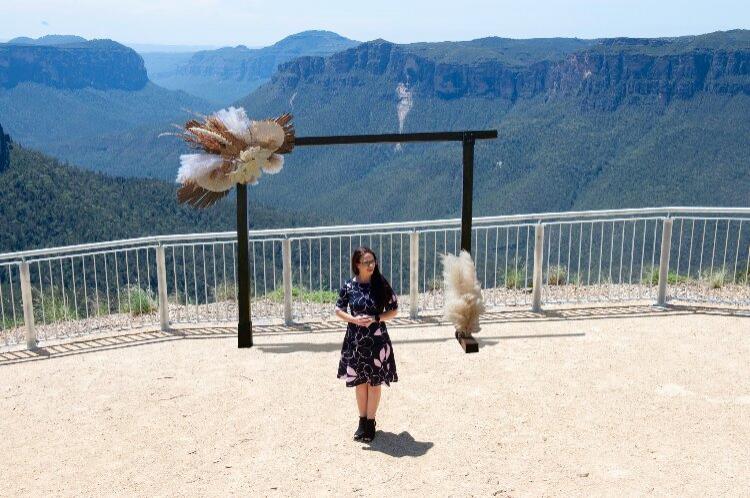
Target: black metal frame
x,y
467,138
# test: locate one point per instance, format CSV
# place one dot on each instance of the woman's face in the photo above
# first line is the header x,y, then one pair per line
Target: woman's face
x,y
367,264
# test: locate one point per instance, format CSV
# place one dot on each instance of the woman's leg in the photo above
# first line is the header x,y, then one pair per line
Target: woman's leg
x,y
362,399
373,399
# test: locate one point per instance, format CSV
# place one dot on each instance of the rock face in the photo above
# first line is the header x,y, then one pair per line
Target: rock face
x,y
605,75
4,150
100,64
607,80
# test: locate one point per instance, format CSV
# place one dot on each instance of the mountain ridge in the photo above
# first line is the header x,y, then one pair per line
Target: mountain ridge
x,y
229,73
657,121
567,139
47,40
100,64
592,69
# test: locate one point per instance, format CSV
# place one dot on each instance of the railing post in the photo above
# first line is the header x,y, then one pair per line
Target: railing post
x,y
666,246
161,276
286,265
414,274
28,305
536,301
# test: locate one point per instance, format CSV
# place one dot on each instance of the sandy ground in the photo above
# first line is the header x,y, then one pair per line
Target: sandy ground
x,y
599,401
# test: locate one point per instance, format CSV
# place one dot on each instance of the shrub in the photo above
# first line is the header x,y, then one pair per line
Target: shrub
x,y
435,284
743,276
300,293
651,276
575,279
140,301
715,279
557,275
225,291
515,279
9,323
50,306
319,296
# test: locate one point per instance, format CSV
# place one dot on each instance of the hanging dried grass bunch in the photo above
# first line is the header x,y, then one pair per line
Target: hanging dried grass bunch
x,y
235,150
463,294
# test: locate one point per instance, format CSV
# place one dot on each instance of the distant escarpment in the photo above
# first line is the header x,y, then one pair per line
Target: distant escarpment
x,y
99,64
244,64
604,73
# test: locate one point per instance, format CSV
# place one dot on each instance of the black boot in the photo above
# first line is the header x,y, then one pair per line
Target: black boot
x,y
361,429
369,430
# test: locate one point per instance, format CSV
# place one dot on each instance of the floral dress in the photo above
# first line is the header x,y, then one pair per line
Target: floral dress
x,y
367,352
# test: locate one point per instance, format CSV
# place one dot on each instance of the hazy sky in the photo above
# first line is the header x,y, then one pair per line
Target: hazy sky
x,y
262,22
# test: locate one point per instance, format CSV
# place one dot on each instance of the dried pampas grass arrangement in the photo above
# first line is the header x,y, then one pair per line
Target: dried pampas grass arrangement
x,y
234,150
463,294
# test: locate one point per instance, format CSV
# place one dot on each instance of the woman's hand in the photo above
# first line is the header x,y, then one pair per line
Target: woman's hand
x,y
363,320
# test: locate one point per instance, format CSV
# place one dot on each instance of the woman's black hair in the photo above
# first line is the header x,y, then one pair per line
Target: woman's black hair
x,y
381,289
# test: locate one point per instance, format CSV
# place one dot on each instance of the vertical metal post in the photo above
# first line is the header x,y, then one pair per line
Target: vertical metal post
x,y
536,302
28,305
244,325
286,265
161,277
466,199
666,247
414,274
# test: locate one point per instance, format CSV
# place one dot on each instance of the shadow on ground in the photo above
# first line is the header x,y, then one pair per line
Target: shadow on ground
x,y
398,445
142,338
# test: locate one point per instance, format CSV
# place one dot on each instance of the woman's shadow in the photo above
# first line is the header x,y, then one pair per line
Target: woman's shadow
x,y
398,445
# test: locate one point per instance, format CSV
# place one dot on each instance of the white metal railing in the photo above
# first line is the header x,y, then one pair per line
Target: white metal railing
x,y
655,254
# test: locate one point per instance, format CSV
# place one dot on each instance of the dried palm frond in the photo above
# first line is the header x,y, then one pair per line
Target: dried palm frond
x,y
197,196
285,121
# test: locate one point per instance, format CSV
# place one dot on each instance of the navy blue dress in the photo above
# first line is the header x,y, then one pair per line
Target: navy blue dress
x,y
367,353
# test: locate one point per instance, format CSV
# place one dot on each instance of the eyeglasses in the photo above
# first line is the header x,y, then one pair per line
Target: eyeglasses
x,y
369,262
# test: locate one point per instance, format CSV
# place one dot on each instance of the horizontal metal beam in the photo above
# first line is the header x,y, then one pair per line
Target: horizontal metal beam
x,y
440,136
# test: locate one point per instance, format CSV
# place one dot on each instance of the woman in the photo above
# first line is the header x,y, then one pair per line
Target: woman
x,y
367,354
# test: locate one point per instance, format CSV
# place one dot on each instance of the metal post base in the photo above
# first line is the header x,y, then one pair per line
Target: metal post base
x,y
245,335
469,344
